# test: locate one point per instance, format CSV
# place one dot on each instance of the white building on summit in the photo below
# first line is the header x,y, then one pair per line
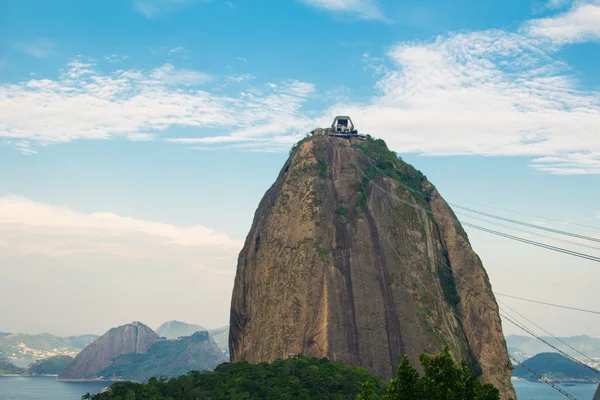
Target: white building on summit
x,y
342,126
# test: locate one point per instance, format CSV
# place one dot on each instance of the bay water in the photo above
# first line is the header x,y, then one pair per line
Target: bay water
x,y
48,388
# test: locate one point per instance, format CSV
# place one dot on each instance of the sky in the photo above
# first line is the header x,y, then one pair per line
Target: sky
x,y
138,136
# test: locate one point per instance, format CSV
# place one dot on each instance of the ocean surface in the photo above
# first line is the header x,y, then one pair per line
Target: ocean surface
x,y
48,388
45,388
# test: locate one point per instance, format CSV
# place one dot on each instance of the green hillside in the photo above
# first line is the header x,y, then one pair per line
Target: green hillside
x,y
49,366
167,358
531,346
555,367
8,368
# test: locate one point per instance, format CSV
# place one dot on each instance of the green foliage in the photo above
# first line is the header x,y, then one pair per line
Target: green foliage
x,y
443,380
341,212
312,378
49,366
8,368
387,162
448,284
305,139
294,378
322,167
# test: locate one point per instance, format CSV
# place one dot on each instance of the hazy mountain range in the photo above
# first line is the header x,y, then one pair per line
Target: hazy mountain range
x,y
20,346
175,329
136,352
526,346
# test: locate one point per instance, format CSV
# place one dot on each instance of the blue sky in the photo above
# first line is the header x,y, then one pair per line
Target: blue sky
x,y
137,138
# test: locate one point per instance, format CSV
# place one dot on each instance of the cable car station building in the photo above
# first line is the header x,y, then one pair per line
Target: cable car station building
x,y
342,126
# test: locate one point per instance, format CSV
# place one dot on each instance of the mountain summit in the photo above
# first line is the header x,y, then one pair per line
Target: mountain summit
x,y
131,338
353,255
175,329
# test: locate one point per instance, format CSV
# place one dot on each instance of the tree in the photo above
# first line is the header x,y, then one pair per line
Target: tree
x,y
442,380
406,385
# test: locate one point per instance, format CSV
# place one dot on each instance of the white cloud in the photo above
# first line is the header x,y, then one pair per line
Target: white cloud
x,y
240,78
177,49
147,270
113,58
557,3
363,9
93,232
581,23
490,92
24,147
568,164
40,48
85,104
169,75
153,9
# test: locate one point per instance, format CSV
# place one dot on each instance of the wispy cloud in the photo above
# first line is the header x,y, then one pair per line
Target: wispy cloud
x,y
177,49
362,9
152,9
24,146
19,214
490,92
581,23
240,78
40,48
113,58
170,75
83,103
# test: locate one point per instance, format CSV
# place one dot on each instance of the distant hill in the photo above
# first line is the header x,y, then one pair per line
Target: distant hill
x,y
131,338
44,345
555,367
221,338
8,368
530,346
79,342
168,358
50,366
175,329
2,334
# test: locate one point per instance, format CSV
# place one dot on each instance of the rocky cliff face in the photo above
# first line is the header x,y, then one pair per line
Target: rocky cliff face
x,y
132,338
353,255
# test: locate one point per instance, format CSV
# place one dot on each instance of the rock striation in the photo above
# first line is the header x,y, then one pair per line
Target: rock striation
x,y
127,339
353,255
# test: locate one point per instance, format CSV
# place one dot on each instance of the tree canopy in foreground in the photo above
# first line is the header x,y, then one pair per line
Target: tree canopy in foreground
x,y
311,378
